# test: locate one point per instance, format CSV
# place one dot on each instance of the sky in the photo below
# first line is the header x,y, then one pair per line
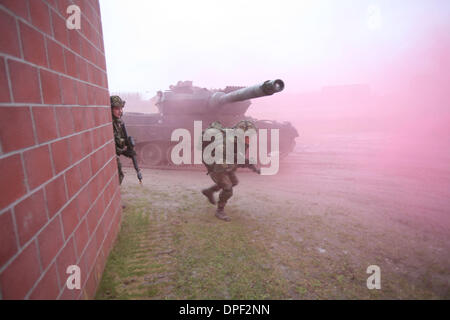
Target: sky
x,y
309,44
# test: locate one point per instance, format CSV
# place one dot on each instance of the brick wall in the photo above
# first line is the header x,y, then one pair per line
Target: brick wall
x,y
59,193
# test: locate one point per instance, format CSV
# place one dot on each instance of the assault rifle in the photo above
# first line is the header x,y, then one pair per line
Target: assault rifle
x,y
130,153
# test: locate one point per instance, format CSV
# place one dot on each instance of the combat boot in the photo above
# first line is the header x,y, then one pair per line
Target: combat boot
x,y
220,214
208,193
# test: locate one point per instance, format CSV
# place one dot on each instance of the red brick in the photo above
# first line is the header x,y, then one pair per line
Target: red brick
x,y
89,117
105,116
110,149
73,178
81,237
94,214
100,233
76,147
51,89
55,56
71,64
4,86
110,169
45,122
50,240
97,76
70,218
97,138
40,16
87,142
67,257
7,238
90,254
68,294
96,186
86,9
106,134
87,51
9,41
38,166
102,98
101,61
68,91
81,93
61,155
55,193
85,170
108,193
48,287
101,41
83,69
25,82
84,201
33,45
20,276
86,29
12,183
75,41
91,93
19,7
79,118
106,92
97,161
108,115
96,6
60,29
65,121
53,4
30,216
91,73
16,131
97,116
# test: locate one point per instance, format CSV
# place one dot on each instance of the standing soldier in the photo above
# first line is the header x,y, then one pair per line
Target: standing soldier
x,y
117,105
224,175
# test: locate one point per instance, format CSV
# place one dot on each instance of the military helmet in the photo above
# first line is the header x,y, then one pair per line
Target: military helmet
x,y
216,125
116,101
245,125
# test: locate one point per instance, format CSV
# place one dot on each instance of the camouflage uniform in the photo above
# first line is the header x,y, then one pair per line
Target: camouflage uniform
x,y
119,135
224,175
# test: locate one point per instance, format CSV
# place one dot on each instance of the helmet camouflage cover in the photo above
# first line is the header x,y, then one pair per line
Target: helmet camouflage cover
x,y
116,101
216,125
245,125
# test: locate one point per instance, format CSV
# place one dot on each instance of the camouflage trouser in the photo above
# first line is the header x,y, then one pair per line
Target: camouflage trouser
x,y
119,168
224,181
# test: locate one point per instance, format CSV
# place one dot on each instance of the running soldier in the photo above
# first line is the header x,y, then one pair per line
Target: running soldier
x,y
224,175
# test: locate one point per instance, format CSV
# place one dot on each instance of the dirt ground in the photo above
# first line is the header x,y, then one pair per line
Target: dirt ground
x,y
340,203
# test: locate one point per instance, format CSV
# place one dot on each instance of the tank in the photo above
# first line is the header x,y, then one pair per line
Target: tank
x,y
184,103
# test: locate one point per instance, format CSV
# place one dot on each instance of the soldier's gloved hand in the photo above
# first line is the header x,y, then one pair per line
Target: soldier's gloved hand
x,y
120,151
129,153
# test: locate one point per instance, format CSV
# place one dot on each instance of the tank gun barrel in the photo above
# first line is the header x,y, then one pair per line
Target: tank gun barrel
x,y
266,88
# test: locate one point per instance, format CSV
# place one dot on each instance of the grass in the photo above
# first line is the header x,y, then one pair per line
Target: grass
x,y
193,256
172,247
